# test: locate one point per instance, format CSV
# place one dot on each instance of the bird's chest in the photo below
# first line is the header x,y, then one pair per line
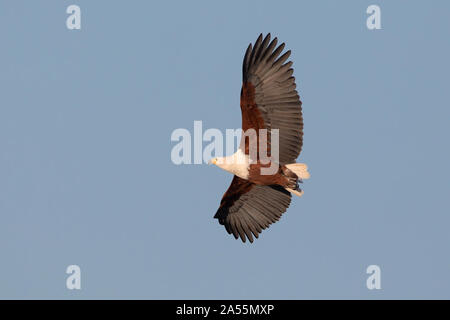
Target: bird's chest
x,y
241,170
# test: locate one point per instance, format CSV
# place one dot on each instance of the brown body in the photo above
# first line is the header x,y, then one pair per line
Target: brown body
x,y
284,177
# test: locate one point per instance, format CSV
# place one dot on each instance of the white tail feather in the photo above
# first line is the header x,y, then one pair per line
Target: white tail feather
x,y
300,169
297,193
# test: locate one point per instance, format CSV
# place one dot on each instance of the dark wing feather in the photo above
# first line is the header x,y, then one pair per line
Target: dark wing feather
x,y
246,208
269,99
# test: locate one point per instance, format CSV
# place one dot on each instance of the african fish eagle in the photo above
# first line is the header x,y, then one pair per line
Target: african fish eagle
x,y
269,101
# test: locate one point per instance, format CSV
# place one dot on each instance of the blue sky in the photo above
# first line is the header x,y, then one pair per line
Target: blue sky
x,y
86,176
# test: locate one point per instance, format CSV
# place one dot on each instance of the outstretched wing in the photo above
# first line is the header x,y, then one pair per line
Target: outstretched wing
x,y
246,208
269,99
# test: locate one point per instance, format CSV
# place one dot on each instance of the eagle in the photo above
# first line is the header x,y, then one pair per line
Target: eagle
x,y
270,104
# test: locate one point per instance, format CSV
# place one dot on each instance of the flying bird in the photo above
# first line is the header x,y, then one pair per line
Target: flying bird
x,y
269,100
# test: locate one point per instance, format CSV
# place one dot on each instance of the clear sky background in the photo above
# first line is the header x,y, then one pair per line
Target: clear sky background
x,y
86,176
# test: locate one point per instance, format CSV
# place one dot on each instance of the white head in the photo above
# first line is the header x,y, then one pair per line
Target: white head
x,y
221,162
237,164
